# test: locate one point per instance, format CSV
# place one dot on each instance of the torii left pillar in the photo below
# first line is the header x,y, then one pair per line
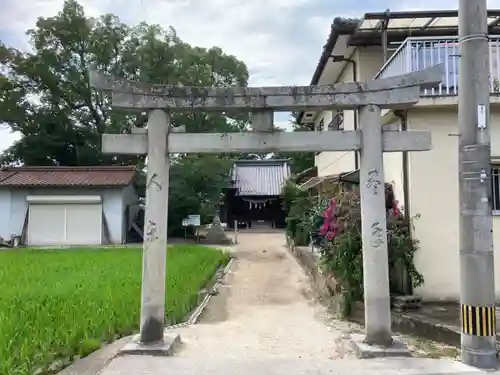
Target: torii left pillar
x,y
151,336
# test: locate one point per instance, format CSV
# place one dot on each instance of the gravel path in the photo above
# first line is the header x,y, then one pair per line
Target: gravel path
x,y
265,309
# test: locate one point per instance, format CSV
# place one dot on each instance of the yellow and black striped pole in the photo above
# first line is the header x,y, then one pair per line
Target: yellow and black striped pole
x,y
478,320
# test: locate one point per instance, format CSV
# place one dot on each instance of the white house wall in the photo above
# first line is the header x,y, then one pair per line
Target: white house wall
x,y
13,207
434,195
368,61
393,173
5,210
330,163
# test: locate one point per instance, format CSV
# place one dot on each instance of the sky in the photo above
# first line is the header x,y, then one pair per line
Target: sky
x,y
280,40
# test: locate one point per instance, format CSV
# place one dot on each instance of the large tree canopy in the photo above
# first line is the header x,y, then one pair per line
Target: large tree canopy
x,y
45,94
299,161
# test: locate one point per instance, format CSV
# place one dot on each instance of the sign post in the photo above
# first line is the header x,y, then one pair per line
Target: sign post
x,y
185,224
194,220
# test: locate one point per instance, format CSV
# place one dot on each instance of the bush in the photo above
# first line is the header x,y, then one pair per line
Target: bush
x,y
335,224
55,304
341,250
296,204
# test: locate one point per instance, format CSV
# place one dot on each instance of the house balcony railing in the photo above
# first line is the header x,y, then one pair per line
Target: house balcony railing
x,y
420,53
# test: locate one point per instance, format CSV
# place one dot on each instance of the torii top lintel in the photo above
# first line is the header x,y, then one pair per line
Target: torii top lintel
x,y
394,92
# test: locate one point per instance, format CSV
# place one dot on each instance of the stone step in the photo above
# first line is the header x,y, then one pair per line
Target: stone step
x,y
149,365
403,303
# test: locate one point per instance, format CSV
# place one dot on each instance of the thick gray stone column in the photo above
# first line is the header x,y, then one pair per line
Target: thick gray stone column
x,y
374,230
155,230
476,245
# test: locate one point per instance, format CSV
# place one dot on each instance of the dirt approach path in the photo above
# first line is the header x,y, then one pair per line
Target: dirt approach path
x,y
265,309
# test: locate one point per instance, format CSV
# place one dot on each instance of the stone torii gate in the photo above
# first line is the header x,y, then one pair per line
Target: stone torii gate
x,y
160,139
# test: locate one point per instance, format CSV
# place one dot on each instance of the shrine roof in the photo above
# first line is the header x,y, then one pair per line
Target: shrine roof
x,y
260,177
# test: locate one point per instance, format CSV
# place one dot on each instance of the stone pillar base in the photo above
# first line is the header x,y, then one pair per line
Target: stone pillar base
x,y
166,347
364,350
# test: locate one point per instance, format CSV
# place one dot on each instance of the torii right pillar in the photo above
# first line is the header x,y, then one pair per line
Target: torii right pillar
x,y
378,340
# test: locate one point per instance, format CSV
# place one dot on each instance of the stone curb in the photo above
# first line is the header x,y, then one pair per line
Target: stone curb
x,y
401,322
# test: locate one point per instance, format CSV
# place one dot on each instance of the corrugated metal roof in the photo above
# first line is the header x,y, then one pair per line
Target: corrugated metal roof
x,y
67,176
260,177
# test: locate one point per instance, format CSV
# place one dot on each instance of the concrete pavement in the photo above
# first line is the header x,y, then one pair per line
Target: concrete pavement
x,y
283,366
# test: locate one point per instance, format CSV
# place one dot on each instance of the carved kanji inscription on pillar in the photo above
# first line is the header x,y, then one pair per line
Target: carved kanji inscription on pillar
x,y
373,181
152,181
151,231
377,239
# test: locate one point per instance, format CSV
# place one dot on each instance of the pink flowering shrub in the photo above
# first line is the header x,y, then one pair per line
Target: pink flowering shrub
x,y
343,213
340,233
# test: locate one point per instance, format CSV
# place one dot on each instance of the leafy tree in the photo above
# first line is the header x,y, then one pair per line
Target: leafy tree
x,y
45,94
196,182
299,161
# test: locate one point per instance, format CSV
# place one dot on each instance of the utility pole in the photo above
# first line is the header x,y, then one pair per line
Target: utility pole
x,y
477,282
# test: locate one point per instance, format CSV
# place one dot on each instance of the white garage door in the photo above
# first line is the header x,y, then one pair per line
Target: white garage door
x,y
65,223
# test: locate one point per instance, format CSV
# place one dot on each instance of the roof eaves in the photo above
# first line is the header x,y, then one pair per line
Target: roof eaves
x,y
65,186
262,161
309,172
444,13
340,26
8,174
111,168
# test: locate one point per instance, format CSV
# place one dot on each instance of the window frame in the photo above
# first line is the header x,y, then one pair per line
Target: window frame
x,y
337,123
320,126
495,188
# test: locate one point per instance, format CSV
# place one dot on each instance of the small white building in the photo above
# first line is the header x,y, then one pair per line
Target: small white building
x,y
56,206
386,44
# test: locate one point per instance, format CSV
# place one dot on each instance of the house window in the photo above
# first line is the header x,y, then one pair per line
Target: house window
x,y
495,179
320,126
337,122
